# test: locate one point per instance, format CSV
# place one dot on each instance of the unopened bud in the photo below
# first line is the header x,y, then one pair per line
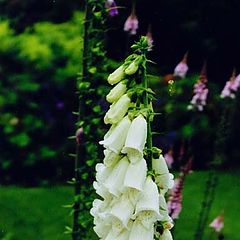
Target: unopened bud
x,y
79,136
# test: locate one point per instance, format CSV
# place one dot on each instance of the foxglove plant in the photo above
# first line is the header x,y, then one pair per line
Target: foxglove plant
x,y
133,177
182,68
218,223
175,199
131,24
230,87
200,91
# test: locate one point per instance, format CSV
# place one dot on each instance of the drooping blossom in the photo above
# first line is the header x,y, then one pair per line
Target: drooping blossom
x,y
218,223
182,68
169,158
230,87
131,24
175,199
111,7
200,92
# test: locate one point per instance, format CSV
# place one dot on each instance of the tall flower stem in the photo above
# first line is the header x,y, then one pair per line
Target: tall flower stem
x,y
79,146
147,102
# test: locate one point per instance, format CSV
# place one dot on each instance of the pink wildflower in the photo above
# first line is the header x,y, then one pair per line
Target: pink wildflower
x,y
217,224
200,91
131,24
231,86
169,158
182,68
175,200
112,7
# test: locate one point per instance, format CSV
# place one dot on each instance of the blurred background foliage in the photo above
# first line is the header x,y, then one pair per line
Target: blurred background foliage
x,y
40,55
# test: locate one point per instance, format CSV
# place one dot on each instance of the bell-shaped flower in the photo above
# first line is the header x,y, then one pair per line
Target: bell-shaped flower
x,y
166,235
117,75
159,165
117,110
111,7
140,232
102,172
115,141
110,158
136,175
136,139
165,182
114,183
123,210
119,90
164,209
147,207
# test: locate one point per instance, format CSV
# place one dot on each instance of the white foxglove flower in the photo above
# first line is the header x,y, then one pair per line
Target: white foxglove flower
x,y
119,90
139,232
114,183
160,165
117,110
115,141
136,139
123,235
166,235
164,209
147,207
136,175
123,210
111,158
117,75
163,178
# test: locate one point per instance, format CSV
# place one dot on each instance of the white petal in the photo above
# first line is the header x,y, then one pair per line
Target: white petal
x,y
123,210
102,172
114,183
116,140
136,139
136,175
149,200
116,92
102,229
139,232
160,165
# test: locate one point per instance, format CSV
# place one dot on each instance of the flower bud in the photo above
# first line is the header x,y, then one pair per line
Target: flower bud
x,y
132,68
116,76
117,110
79,136
136,139
116,92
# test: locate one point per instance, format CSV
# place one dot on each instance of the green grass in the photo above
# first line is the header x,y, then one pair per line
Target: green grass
x,y
36,213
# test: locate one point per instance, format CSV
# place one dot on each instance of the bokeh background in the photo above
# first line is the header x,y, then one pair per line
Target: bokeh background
x,y
40,55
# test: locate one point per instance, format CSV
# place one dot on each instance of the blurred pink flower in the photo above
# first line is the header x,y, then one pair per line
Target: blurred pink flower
x,y
182,68
231,86
131,24
175,199
112,7
200,91
169,158
217,224
149,38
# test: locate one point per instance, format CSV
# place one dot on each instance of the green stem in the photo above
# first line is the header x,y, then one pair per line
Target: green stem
x,y
79,147
146,102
